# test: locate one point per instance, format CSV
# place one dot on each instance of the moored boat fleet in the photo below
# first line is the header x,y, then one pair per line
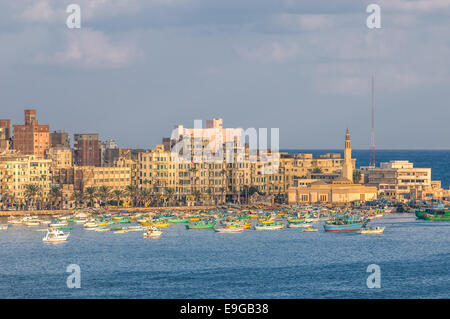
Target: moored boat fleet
x,y
224,220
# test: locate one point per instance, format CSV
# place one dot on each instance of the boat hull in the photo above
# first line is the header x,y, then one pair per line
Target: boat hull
x,y
345,227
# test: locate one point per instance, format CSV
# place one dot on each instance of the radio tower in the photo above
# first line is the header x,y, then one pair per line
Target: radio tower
x,y
372,135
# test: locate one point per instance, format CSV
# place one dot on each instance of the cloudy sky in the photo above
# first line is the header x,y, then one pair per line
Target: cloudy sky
x,y
136,68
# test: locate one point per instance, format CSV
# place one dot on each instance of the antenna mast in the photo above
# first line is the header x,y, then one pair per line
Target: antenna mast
x,y
372,135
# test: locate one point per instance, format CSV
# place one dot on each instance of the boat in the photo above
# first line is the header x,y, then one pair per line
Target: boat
x,y
229,230
300,225
437,212
201,225
352,223
152,232
269,226
4,227
55,235
370,230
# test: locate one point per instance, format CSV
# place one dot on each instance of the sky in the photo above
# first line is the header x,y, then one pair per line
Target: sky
x,y
136,68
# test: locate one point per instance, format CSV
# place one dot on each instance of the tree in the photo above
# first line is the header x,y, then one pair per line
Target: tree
x,y
133,192
117,193
31,192
144,195
317,170
54,195
91,194
104,193
78,197
170,192
356,176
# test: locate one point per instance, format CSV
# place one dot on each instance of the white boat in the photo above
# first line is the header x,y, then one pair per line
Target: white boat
x,y
229,230
300,225
4,227
370,230
153,232
55,235
32,223
269,227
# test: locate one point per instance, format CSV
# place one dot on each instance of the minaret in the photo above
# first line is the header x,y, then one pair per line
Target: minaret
x,y
347,168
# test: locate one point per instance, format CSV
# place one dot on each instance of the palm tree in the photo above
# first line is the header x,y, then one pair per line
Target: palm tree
x,y
132,192
78,197
91,194
55,194
144,195
170,192
104,192
356,176
118,193
31,191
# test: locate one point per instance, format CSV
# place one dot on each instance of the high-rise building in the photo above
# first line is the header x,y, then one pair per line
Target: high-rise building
x,y
31,138
5,125
5,134
86,148
59,139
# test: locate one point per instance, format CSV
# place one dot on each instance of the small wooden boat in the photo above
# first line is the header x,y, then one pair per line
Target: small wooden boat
x,y
269,227
300,225
4,227
229,230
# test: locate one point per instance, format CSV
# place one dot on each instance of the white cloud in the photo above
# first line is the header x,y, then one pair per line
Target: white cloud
x,y
92,49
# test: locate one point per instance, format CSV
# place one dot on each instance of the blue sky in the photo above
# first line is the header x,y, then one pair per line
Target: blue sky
x,y
137,68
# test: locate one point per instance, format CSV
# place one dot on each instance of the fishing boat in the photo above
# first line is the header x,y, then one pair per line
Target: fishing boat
x,y
4,227
300,225
370,230
152,232
437,212
55,235
229,230
201,225
349,223
276,226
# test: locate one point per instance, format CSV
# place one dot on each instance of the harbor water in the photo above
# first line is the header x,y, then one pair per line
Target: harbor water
x,y
413,257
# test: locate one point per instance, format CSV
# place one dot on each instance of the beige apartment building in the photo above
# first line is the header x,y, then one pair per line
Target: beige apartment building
x,y
118,176
18,170
60,156
398,179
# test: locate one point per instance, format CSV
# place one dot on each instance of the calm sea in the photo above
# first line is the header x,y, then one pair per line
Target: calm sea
x,y
437,160
413,257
